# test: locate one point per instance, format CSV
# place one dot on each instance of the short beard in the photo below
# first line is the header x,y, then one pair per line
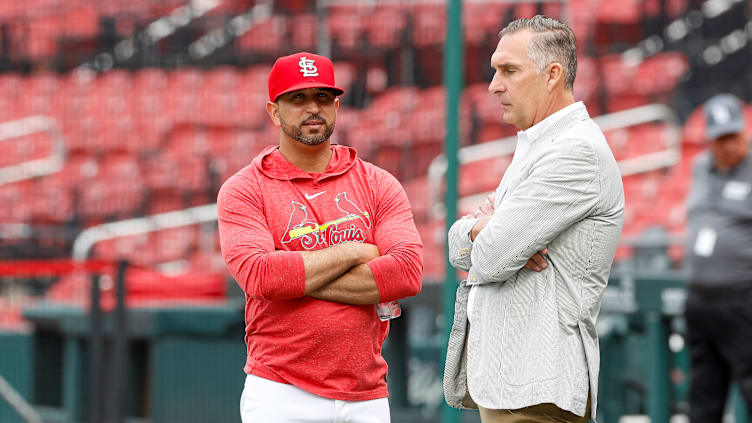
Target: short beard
x,y
296,133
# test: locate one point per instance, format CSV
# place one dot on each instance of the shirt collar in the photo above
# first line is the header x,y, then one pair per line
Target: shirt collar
x,y
536,131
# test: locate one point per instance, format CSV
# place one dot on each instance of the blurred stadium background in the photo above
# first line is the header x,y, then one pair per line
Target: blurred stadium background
x,y
119,121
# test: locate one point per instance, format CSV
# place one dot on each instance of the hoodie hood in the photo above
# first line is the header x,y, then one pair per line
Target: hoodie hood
x,y
273,165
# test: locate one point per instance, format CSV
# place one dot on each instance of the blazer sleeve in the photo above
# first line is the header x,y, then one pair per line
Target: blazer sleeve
x,y
460,244
562,188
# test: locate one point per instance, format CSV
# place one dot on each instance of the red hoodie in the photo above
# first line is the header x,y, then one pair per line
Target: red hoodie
x,y
269,211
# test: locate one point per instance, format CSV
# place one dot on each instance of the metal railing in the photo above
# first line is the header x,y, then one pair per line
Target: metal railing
x,y
505,146
141,225
38,167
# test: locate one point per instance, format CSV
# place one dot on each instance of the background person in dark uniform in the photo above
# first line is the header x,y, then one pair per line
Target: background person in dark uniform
x,y
719,261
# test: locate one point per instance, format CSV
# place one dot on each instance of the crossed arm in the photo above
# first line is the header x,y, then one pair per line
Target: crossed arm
x,y
463,233
560,190
340,273
351,272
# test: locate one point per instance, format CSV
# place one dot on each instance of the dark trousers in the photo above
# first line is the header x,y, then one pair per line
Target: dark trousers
x,y
719,325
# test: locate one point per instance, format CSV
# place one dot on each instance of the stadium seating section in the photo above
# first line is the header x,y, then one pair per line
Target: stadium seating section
x,y
157,139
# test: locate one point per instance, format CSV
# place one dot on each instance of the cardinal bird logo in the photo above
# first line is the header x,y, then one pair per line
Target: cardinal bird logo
x,y
350,209
331,232
298,219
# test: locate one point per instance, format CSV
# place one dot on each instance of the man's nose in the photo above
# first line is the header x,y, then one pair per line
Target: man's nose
x,y
312,107
495,86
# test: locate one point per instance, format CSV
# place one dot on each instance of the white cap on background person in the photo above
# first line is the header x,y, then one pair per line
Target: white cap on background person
x,y
724,114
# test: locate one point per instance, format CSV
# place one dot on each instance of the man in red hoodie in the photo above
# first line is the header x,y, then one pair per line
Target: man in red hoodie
x,y
316,237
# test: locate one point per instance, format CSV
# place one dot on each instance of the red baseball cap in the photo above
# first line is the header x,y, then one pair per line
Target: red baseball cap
x,y
299,71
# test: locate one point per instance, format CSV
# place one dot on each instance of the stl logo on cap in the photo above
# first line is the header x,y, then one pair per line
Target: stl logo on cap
x,y
307,67
721,115
300,71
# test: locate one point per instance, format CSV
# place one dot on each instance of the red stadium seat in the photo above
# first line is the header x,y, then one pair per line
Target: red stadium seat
x,y
251,105
80,20
219,97
150,79
265,36
145,288
24,149
10,86
218,107
433,235
429,24
397,100
618,75
42,34
303,32
694,128
208,262
346,26
347,118
11,315
647,138
181,101
526,10
10,10
618,140
427,124
173,244
254,79
482,176
420,154
226,143
40,88
117,191
482,21
491,131
625,102
160,173
165,201
671,8
619,21
78,169
587,81
184,172
386,27
221,78
484,105
417,194
660,73
122,248
582,16
13,206
345,74
188,140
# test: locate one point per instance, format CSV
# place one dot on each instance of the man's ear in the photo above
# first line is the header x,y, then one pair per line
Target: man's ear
x,y
555,75
336,103
272,109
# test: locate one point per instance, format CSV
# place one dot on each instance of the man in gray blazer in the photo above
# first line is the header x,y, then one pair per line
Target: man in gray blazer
x,y
538,253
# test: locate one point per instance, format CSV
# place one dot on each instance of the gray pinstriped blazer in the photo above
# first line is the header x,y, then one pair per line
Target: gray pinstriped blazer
x,y
533,337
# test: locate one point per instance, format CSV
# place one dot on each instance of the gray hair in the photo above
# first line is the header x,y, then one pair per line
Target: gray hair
x,y
552,41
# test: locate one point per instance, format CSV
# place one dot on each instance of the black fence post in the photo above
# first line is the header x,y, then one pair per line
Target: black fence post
x,y
95,353
117,400
399,355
